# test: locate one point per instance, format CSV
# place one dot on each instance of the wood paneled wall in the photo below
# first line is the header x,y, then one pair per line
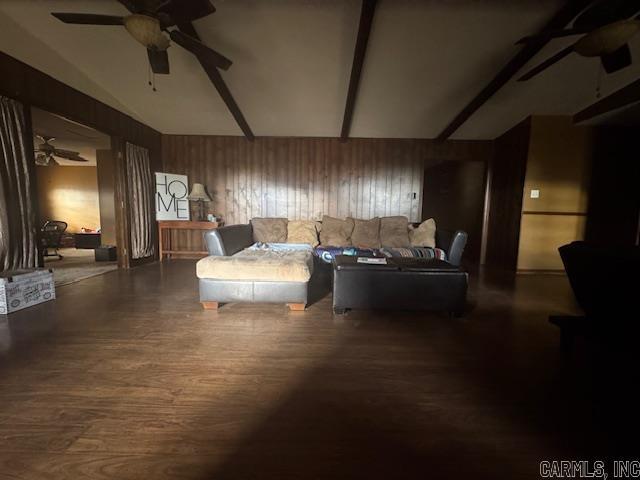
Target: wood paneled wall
x,y
304,178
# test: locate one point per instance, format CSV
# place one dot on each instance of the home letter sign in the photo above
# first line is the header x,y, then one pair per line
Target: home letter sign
x,y
171,197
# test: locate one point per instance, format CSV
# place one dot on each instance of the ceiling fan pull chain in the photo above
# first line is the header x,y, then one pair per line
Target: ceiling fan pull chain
x,y
599,81
153,75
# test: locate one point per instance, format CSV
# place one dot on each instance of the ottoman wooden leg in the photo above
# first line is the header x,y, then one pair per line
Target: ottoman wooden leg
x,y
296,307
210,305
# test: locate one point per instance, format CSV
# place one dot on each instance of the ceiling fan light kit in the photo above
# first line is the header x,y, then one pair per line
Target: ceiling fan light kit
x,y
157,23
149,24
606,26
607,39
146,30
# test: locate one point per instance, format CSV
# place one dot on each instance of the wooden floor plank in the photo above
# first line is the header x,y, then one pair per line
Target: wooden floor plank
x,y
125,376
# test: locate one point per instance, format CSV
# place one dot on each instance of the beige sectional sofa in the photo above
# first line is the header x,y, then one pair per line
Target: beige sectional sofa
x,y
273,259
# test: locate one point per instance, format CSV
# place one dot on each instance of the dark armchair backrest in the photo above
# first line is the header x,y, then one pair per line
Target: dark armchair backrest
x,y
604,280
226,241
452,243
51,233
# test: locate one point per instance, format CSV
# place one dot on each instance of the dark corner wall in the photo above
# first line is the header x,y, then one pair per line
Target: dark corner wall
x,y
614,203
552,182
506,182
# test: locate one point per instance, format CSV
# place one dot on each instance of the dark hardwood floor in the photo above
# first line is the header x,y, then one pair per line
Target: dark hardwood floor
x,y
124,376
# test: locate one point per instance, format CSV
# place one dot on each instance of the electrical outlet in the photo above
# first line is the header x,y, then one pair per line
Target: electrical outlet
x,y
535,193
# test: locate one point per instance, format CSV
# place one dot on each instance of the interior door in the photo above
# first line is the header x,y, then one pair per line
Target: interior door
x,y
454,196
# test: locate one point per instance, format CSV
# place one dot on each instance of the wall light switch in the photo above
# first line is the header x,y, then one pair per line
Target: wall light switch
x,y
535,193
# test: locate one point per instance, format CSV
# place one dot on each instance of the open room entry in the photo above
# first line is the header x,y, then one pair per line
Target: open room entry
x,y
76,204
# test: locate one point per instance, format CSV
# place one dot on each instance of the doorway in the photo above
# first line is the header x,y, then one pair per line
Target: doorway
x,y
454,196
75,179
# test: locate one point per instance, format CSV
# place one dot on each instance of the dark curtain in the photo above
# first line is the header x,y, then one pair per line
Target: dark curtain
x,y
18,231
140,184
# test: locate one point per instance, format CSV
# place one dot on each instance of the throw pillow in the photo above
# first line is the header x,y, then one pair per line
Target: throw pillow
x,y
394,232
303,231
424,235
336,232
269,230
366,233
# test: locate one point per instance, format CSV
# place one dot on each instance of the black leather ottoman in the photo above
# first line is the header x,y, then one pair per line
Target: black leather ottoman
x,y
401,284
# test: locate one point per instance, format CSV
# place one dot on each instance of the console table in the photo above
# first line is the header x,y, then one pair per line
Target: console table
x,y
164,234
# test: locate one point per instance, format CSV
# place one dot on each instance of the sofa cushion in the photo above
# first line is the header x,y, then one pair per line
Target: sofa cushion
x,y
303,231
424,235
259,265
394,232
336,232
269,230
366,233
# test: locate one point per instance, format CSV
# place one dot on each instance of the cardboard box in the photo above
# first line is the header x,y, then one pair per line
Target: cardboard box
x,y
25,288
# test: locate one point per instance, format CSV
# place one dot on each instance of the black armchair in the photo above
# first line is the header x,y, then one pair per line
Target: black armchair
x,y
605,283
51,237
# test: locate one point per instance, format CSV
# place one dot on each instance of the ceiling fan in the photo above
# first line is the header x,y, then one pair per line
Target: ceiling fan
x,y
149,24
606,26
46,153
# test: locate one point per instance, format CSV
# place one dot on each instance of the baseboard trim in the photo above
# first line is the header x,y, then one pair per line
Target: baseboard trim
x,y
539,272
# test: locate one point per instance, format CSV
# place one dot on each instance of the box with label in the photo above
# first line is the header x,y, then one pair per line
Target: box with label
x,y
25,288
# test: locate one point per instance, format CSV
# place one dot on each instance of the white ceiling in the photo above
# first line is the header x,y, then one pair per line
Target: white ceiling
x,y
292,59
69,136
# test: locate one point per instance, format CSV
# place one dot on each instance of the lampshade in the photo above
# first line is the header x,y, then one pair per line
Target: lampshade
x,y
199,193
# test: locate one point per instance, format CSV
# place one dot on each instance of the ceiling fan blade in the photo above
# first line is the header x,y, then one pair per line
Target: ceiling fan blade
x,y
200,50
218,82
131,5
546,64
88,19
159,61
189,29
79,159
603,12
550,34
186,10
617,60
68,155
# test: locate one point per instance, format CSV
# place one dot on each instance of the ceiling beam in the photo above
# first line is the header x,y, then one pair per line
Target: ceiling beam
x,y
624,97
559,20
219,83
366,18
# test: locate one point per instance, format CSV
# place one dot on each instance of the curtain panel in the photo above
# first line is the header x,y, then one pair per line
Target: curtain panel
x,y
140,185
18,223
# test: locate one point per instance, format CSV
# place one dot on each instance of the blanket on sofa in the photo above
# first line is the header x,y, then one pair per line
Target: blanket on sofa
x,y
327,254
260,262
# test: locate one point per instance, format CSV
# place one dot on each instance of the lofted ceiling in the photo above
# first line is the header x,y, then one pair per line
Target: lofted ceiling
x,y
292,60
69,136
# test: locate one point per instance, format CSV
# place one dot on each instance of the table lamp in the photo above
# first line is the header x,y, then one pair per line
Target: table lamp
x,y
199,194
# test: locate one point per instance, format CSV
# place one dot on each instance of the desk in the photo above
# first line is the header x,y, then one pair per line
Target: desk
x,y
87,240
164,234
